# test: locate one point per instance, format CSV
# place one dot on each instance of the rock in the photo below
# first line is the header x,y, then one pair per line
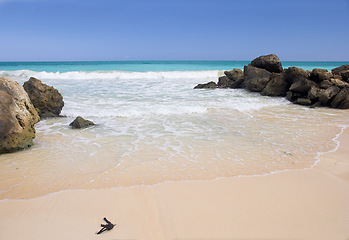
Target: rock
x,y
293,96
294,74
277,86
303,101
314,94
235,74
225,82
340,69
341,100
319,75
17,117
326,84
345,75
79,122
339,83
209,85
326,96
301,86
270,63
256,79
45,98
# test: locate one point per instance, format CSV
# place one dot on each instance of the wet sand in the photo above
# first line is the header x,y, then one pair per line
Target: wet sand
x,y
296,204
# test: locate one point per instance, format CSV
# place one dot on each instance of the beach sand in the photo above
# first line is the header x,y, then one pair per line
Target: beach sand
x,y
297,204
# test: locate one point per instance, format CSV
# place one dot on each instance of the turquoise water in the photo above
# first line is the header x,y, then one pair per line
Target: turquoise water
x,y
145,66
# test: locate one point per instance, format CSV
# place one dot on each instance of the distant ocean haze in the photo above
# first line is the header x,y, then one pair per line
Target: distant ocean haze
x,y
152,127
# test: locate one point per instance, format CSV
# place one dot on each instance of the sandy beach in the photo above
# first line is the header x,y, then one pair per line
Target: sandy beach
x,y
297,204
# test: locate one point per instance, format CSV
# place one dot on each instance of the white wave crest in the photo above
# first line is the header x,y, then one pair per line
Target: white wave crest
x,y
26,74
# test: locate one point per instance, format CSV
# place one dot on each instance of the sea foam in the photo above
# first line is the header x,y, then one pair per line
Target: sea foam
x,y
26,74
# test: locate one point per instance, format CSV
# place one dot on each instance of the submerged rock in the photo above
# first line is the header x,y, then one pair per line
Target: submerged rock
x,y
17,117
46,99
79,122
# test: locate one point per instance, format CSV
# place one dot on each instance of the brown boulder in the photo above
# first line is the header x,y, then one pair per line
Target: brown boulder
x,y
277,86
326,96
256,79
209,85
270,63
232,79
79,122
303,101
301,86
345,75
17,117
341,100
319,75
45,98
293,74
340,69
235,74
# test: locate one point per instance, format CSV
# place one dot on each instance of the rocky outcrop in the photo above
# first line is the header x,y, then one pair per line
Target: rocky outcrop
x,y
46,99
17,117
209,85
315,88
256,79
79,122
270,62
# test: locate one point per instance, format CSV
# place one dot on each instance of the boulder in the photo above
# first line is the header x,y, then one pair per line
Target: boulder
x,y
17,117
340,69
256,79
235,74
209,85
326,84
277,86
339,83
314,94
79,122
45,98
303,101
225,82
301,86
326,96
319,75
293,74
270,63
341,100
345,75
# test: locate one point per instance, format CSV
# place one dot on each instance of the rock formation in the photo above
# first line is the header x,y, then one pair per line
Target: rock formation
x,y
46,99
315,88
17,117
79,122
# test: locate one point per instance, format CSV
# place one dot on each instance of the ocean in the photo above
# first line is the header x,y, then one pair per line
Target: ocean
x,y
153,127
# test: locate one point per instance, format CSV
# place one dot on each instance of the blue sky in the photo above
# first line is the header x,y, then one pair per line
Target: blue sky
x,y
56,30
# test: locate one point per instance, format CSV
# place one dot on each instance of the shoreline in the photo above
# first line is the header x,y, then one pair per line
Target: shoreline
x,y
300,204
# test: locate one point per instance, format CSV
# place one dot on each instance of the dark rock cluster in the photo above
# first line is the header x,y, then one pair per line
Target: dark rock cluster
x,y
316,88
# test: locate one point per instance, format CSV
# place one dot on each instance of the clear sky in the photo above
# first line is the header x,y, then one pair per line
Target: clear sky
x,y
55,30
